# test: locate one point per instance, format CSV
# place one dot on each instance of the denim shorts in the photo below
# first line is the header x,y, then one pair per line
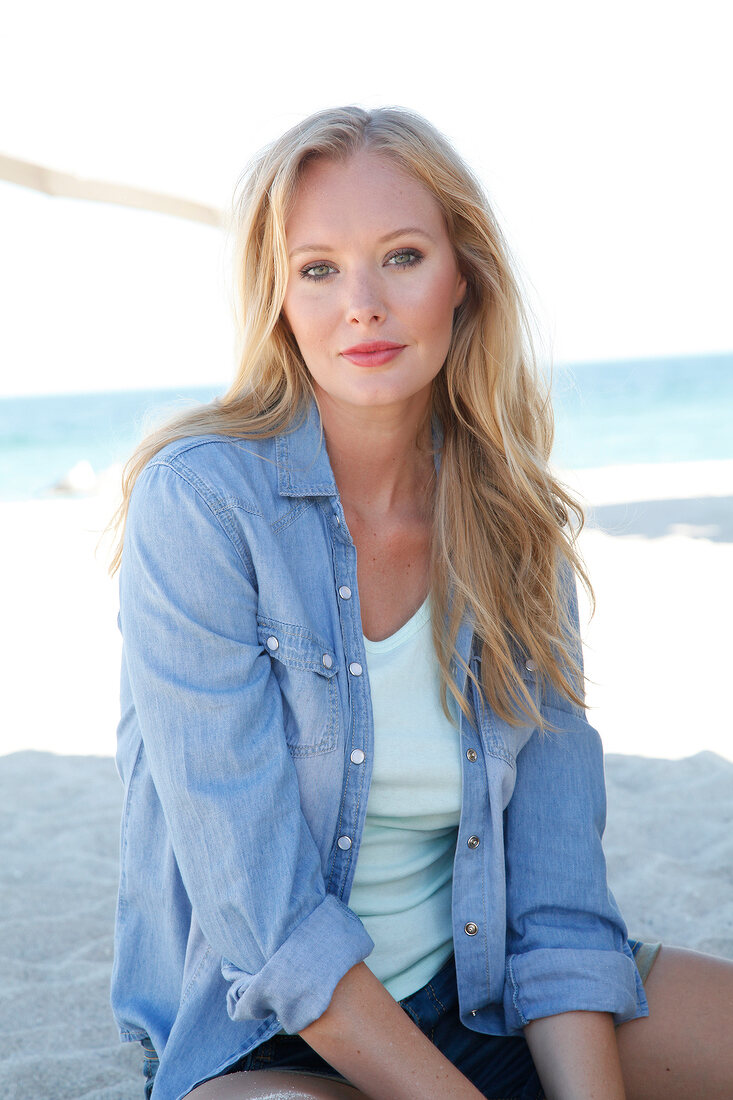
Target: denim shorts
x,y
500,1067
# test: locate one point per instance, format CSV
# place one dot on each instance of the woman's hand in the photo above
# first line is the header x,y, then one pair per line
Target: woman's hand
x,y
576,1056
370,1039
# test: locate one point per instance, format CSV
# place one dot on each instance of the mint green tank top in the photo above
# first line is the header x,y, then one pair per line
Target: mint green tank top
x,y
403,881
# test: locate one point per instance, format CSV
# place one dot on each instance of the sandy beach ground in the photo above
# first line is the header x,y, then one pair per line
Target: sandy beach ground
x,y
659,548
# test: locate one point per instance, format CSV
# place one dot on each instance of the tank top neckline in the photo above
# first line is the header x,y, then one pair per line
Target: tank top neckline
x,y
405,632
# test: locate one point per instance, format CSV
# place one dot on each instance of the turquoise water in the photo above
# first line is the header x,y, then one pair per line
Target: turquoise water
x,y
41,438
654,410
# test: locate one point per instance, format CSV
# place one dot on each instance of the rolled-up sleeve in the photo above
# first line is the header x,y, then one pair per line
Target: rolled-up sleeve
x,y
567,943
211,719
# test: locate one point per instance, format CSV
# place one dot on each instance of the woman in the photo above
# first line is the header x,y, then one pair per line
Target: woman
x,y
379,465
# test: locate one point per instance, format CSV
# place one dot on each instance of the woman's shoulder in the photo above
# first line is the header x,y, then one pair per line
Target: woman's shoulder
x,y
212,451
226,470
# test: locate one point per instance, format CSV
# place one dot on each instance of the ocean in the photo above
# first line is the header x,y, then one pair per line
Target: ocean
x,y
632,411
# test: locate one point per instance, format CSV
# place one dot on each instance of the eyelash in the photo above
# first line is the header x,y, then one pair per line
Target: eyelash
x,y
416,257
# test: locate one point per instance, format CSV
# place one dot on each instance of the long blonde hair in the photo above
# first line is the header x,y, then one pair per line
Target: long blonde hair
x,y
502,534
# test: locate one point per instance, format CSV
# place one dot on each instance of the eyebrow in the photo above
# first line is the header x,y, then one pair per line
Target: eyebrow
x,y
405,231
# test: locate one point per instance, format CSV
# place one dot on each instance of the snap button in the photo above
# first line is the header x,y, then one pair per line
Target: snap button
x,y
473,1011
355,668
470,929
327,660
357,756
345,592
473,842
272,643
344,843
530,665
472,755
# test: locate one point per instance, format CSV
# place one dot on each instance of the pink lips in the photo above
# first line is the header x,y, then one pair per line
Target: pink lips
x,y
372,354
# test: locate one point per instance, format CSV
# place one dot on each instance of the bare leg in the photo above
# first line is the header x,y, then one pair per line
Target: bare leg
x,y
684,1050
275,1084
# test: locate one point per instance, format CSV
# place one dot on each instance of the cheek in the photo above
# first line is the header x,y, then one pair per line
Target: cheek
x,y
309,320
447,290
434,305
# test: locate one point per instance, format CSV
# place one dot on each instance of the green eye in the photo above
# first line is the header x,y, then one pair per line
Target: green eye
x,y
316,271
405,257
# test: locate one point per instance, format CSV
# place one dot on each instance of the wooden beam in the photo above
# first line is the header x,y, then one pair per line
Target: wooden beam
x,y
63,184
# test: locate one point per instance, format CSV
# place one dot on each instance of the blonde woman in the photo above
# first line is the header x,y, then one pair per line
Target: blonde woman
x,y
361,847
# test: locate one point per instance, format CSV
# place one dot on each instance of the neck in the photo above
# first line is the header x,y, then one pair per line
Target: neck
x,y
381,457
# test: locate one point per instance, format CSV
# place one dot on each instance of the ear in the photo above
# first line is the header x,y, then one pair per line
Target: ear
x,y
461,288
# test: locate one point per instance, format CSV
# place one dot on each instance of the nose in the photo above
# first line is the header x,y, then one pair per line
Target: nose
x,y
365,303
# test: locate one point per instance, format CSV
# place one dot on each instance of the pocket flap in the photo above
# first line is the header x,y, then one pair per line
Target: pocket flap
x,y
296,647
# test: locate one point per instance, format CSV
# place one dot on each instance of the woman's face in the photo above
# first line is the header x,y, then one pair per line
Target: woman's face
x,y
373,282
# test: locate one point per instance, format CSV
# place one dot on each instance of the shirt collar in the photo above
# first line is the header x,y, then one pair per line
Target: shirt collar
x,y
303,468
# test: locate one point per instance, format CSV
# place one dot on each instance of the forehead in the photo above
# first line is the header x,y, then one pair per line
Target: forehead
x,y
367,192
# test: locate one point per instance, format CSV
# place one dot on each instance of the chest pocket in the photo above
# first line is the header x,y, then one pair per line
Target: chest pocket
x,y
501,738
305,669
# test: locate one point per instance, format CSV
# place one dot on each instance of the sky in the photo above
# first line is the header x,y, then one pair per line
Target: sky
x,y
598,130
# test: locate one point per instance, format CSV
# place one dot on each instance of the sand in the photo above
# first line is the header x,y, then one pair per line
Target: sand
x,y
658,653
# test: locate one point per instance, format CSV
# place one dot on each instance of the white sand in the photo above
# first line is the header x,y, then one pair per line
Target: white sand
x,y
659,649
658,652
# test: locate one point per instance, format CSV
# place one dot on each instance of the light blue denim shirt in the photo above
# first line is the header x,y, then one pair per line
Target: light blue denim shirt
x,y
245,748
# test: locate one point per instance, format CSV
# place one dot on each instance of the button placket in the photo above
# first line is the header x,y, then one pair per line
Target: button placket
x,y
474,792
353,796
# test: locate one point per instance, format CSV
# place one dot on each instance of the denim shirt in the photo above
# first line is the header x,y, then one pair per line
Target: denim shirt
x,y
245,747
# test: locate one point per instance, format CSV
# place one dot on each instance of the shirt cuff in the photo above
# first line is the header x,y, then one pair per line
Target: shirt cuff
x,y
297,983
552,980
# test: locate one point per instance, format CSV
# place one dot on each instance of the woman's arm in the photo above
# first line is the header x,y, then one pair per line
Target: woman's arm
x,y
576,1056
210,713
566,940
565,936
370,1039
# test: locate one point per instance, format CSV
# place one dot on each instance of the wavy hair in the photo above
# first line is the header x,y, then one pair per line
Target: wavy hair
x,y
502,534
